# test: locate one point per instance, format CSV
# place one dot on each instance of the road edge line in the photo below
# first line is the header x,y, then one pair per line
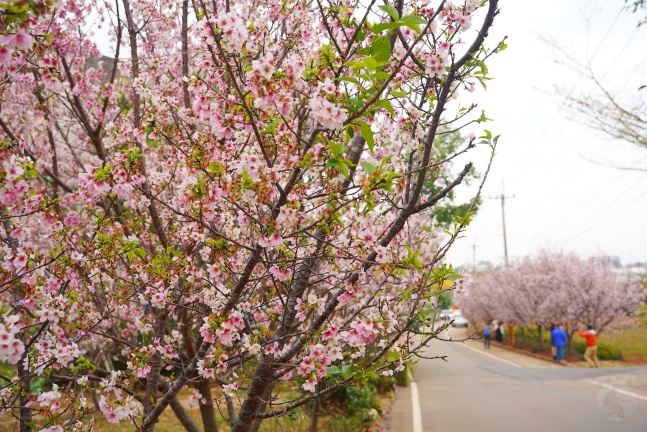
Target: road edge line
x,y
618,390
416,411
491,355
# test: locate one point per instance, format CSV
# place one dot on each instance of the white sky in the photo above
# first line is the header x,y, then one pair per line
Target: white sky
x,y
564,201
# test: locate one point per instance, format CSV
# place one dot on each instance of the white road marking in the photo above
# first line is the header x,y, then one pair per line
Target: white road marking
x,y
415,406
490,355
618,390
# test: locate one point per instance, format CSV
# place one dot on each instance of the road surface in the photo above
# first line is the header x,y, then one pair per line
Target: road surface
x,y
498,390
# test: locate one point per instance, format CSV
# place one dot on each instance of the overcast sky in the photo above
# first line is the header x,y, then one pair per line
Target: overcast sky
x,y
567,194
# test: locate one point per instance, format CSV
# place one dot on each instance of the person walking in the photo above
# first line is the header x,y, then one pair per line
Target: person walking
x,y
487,333
498,333
591,353
559,339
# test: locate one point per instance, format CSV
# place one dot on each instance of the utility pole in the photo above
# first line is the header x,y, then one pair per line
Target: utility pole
x,y
502,197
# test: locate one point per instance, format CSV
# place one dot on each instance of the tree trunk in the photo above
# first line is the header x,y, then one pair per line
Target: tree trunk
x,y
315,413
25,386
511,336
231,409
183,416
206,409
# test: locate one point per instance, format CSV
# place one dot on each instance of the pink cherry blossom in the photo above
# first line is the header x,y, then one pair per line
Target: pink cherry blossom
x,y
23,40
327,114
207,208
5,55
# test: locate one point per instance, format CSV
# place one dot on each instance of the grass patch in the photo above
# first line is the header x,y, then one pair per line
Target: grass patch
x,y
629,340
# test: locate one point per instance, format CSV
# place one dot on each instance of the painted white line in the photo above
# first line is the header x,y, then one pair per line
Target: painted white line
x,y
618,390
415,407
490,355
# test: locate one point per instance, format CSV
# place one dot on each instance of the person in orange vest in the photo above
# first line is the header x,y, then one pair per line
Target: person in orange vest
x,y
591,353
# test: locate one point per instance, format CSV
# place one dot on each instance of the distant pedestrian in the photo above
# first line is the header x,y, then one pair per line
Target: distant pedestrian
x,y
498,333
559,339
591,353
553,348
487,333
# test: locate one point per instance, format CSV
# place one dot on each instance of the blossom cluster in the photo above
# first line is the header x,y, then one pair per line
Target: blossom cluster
x,y
11,348
244,193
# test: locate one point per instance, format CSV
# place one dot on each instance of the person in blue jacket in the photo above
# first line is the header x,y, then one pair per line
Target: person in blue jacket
x,y
559,339
487,334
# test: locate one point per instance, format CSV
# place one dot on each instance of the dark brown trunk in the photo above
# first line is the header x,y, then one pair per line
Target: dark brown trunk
x,y
183,416
315,413
261,381
206,410
25,386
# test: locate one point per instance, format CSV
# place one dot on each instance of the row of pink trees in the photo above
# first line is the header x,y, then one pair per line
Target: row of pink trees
x,y
553,288
239,197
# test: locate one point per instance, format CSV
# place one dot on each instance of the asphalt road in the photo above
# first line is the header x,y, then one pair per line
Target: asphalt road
x,y
501,391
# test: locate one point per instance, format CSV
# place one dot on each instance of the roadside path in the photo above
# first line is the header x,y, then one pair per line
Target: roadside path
x,y
499,390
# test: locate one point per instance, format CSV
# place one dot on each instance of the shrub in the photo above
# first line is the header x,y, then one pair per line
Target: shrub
x,y
384,384
605,352
402,377
345,424
357,399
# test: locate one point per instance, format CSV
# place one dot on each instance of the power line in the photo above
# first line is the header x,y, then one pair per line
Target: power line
x,y
581,202
610,216
559,109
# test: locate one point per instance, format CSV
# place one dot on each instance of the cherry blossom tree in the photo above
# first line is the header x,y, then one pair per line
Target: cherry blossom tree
x,y
553,288
241,195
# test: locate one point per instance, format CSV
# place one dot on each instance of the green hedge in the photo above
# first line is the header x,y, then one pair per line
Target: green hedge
x,y
605,352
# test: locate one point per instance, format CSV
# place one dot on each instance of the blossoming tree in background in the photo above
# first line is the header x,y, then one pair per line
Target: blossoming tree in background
x,y
240,196
553,288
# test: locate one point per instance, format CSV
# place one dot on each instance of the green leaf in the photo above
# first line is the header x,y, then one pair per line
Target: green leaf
x,y
350,132
381,75
152,143
343,167
413,22
367,134
337,149
392,355
411,19
381,49
333,370
369,168
393,12
354,102
346,369
386,104
348,79
378,28
369,63
141,253
247,182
